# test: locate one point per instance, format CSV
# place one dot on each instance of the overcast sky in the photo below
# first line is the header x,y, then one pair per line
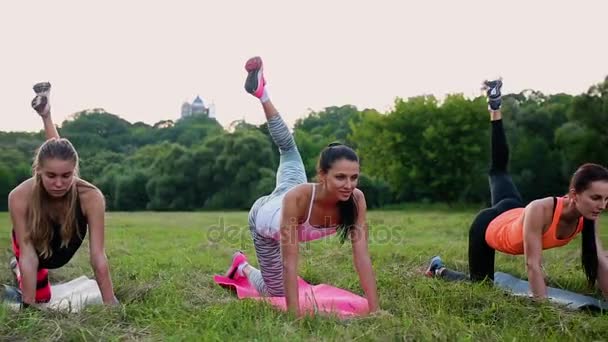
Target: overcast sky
x,y
142,59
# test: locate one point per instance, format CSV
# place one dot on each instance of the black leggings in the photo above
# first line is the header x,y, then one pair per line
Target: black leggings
x,y
505,196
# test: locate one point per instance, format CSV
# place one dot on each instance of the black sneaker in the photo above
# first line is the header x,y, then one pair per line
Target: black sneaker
x,y
492,89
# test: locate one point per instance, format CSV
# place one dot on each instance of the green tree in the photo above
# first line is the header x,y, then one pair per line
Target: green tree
x,y
92,131
583,138
243,160
331,123
131,192
7,183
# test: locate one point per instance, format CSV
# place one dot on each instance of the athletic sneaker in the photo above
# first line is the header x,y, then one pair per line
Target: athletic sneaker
x,y
493,91
40,103
13,264
255,82
42,88
434,265
11,296
237,259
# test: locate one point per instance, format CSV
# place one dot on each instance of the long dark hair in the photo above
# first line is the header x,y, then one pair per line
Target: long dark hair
x,y
581,180
347,209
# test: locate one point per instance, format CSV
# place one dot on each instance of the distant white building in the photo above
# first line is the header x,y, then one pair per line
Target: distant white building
x,y
212,110
186,110
196,108
94,111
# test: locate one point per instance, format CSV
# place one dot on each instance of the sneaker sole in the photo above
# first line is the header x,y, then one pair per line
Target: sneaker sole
x,y
494,86
42,87
254,78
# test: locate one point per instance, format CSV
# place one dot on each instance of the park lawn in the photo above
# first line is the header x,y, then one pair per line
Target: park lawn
x,y
162,266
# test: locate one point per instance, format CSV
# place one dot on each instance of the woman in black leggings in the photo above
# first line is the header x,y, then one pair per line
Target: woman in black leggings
x,y
510,227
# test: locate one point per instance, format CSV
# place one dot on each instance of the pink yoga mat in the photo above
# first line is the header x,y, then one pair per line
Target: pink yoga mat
x,y
321,299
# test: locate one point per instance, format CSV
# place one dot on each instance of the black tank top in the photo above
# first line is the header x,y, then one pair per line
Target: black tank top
x,y
61,255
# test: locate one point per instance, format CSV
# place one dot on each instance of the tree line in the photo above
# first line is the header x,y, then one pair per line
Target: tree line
x,y
422,149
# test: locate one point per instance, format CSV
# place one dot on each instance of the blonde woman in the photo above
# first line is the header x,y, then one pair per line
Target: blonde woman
x,y
51,213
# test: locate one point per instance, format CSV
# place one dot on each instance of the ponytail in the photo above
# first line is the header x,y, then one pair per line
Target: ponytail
x,y
348,214
589,251
581,180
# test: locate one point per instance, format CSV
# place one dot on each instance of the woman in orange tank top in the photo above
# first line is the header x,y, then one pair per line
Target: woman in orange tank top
x,y
511,227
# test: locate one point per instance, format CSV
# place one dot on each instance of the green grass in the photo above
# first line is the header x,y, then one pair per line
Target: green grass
x,y
162,266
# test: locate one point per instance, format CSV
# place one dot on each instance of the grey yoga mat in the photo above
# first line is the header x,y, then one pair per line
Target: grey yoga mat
x,y
571,300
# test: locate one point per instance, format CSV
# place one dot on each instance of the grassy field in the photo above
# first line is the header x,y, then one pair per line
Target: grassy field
x,y
162,266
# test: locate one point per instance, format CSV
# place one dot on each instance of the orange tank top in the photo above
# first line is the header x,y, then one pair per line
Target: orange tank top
x,y
506,232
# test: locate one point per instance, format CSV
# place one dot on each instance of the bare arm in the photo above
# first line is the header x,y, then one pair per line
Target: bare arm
x,y
289,251
533,247
95,211
28,258
361,259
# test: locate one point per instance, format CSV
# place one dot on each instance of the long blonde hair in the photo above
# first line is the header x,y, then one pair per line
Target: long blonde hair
x,y
39,226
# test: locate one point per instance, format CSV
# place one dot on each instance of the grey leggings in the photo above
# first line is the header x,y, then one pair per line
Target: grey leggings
x,y
268,280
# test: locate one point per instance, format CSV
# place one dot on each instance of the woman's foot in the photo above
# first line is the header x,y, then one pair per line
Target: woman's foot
x,y
41,103
238,261
11,295
492,89
255,82
435,265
